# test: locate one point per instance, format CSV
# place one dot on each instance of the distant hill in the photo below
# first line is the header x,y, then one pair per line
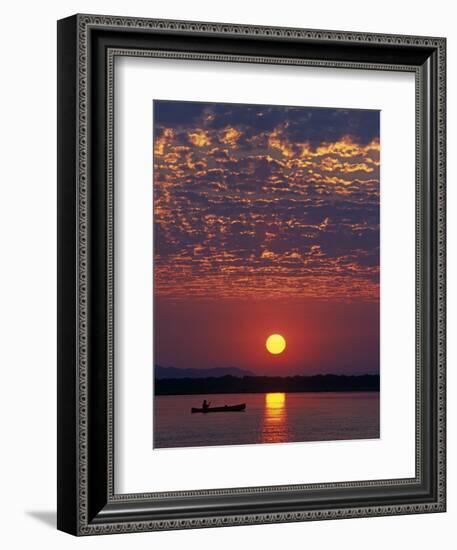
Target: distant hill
x,y
161,373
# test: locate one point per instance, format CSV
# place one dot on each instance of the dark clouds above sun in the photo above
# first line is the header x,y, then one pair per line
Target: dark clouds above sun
x,y
265,202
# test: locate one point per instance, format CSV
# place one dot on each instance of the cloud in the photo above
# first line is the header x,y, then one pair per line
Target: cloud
x,y
261,201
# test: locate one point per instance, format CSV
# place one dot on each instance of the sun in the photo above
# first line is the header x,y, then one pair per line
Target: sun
x,y
275,344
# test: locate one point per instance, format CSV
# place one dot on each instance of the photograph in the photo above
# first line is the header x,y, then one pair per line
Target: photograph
x,y
266,273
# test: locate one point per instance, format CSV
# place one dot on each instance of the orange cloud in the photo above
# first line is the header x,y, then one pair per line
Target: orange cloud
x,y
200,138
275,142
161,141
230,135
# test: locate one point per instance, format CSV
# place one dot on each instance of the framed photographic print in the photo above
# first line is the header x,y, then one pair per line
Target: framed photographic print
x,y
251,274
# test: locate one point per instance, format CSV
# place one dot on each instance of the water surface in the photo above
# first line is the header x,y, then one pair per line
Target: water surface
x,y
268,418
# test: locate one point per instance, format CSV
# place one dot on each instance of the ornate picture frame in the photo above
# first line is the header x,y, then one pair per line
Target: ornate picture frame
x,y
87,501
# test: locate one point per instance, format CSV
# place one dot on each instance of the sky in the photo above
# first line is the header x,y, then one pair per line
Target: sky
x,y
266,219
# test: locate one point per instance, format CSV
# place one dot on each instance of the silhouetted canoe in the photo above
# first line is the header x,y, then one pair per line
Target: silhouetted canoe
x,y
225,408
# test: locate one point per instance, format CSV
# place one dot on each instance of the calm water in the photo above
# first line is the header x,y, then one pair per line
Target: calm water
x,y
268,418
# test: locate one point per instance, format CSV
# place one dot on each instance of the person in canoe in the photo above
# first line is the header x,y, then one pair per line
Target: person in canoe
x,y
205,405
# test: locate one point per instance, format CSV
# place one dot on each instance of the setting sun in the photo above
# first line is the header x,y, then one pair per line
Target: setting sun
x,y
275,344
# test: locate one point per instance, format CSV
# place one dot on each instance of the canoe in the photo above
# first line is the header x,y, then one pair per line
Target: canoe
x,y
225,408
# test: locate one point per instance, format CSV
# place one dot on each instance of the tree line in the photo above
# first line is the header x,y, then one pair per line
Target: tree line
x,y
266,384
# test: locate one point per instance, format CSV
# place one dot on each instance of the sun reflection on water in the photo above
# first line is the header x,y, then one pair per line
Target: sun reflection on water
x,y
274,426
275,400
